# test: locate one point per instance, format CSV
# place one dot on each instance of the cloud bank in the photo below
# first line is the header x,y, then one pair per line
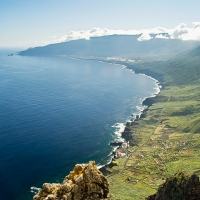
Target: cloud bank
x,y
184,33
181,32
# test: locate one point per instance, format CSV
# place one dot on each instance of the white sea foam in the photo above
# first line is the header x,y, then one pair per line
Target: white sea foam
x,y
140,108
108,162
35,190
131,61
74,58
116,59
115,148
100,166
102,61
157,89
119,128
110,157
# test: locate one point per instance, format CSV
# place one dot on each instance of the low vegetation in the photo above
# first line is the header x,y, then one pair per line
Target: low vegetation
x,y
167,139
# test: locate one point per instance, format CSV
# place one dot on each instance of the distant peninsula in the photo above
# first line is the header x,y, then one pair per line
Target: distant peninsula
x,y
114,45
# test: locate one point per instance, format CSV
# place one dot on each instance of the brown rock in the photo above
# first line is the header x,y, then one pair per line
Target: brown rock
x,y
66,187
78,179
85,182
180,186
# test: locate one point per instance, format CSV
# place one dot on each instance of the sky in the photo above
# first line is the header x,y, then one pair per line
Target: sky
x,y
29,23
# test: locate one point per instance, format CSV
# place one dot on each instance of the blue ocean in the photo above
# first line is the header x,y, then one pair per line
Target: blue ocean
x,y
56,112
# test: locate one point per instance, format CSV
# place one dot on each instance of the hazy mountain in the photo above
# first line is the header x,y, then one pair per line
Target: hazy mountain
x,y
195,52
114,45
182,69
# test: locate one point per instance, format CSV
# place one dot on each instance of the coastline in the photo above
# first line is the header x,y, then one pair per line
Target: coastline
x,y
146,102
125,134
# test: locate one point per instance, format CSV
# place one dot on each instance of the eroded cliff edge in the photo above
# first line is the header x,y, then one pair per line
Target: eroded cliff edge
x,y
84,182
180,186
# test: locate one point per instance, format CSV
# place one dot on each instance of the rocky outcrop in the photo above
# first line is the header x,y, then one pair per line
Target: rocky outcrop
x,y
180,187
85,182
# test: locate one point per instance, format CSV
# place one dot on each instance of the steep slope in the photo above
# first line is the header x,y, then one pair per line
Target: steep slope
x,y
179,186
180,70
84,182
195,52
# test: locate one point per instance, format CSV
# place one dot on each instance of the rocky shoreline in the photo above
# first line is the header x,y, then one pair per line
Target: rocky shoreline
x,y
148,101
126,135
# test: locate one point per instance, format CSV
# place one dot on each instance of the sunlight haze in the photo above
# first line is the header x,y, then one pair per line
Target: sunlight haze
x,y
35,23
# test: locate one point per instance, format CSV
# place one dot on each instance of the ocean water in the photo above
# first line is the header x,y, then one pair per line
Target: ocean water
x,y
57,112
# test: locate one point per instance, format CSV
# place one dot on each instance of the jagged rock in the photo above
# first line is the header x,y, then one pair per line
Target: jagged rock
x,y
178,187
67,187
85,182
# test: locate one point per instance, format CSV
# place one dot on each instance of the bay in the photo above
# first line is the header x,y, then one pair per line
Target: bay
x,y
56,112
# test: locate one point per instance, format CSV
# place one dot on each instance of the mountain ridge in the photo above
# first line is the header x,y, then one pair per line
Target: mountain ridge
x,y
113,45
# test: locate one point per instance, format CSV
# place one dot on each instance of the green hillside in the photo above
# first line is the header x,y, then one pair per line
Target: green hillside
x,y
169,130
182,70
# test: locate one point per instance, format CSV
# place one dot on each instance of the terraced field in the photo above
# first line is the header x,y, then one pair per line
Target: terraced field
x,y
169,136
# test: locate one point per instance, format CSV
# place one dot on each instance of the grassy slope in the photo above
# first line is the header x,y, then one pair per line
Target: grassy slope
x,y
169,133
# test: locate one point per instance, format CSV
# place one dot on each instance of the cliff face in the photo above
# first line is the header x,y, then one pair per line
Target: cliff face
x,y
84,182
180,187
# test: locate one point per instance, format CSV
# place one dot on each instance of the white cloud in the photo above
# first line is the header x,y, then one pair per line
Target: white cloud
x,y
96,32
184,33
181,32
144,37
196,24
161,36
